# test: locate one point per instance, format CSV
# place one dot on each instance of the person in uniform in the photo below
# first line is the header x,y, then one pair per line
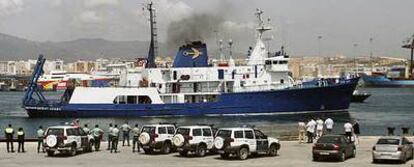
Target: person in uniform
x,y
86,129
115,138
109,136
97,136
135,136
9,132
125,133
40,136
302,131
20,140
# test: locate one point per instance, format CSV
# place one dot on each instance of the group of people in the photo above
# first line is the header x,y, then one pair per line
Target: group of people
x,y
315,129
113,134
9,135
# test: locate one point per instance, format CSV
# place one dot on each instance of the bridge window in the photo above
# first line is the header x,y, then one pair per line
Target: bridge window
x,y
132,100
268,62
283,62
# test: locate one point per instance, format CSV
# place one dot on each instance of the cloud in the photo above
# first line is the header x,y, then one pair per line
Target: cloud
x,y
10,7
95,3
90,17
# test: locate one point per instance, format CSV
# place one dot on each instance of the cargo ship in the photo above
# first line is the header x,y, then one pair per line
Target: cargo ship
x,y
396,77
195,87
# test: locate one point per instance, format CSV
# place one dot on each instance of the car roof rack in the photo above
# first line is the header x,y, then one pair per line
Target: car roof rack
x,y
203,124
248,126
168,123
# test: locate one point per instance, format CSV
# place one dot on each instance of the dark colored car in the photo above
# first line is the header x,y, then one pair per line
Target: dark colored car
x,y
333,146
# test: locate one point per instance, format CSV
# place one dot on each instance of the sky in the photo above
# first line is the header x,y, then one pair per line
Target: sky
x,y
345,26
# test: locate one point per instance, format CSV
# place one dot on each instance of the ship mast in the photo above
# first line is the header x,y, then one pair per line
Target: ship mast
x,y
153,49
410,45
259,52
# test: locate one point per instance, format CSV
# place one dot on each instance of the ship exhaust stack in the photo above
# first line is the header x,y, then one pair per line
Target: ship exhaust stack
x,y
192,55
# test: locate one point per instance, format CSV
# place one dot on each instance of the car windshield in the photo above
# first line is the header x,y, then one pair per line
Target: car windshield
x,y
150,130
224,133
389,141
183,131
329,139
56,132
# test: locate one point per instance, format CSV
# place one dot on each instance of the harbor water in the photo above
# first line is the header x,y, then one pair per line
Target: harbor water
x,y
386,107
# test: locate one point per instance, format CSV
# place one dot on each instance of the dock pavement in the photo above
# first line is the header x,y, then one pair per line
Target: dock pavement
x,y
292,154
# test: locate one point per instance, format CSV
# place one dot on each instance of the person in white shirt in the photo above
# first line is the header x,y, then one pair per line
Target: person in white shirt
x,y
329,123
302,130
319,127
310,129
348,130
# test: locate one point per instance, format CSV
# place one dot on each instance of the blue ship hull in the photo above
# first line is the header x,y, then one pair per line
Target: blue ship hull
x,y
331,98
383,81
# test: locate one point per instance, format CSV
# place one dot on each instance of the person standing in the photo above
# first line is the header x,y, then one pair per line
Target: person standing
x,y
20,140
329,123
86,129
115,137
302,131
348,130
135,136
109,136
97,136
319,127
355,127
40,136
9,132
310,129
125,133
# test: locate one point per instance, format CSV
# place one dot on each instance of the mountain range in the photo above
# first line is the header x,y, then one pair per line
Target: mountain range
x,y
15,48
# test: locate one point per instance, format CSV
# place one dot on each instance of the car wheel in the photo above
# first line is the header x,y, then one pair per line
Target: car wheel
x,y
243,153
166,148
50,153
183,153
353,153
147,150
72,151
342,157
315,158
90,146
273,150
201,151
224,155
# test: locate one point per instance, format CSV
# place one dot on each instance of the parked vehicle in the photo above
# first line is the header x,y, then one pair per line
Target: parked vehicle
x,y
243,142
392,148
196,139
157,137
67,139
333,146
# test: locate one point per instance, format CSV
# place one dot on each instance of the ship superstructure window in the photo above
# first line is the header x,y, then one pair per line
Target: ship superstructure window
x,y
131,99
283,62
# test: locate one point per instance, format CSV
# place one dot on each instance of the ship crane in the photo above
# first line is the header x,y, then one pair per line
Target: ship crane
x,y
409,44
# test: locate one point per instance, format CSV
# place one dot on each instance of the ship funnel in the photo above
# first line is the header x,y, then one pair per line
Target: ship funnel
x,y
192,55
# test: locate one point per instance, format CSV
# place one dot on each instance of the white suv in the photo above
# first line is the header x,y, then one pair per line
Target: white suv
x,y
198,139
243,142
66,139
157,137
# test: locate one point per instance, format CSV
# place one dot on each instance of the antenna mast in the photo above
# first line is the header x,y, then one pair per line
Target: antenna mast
x,y
153,50
410,45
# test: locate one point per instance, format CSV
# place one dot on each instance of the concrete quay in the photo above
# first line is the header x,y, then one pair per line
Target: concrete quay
x,y
292,154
